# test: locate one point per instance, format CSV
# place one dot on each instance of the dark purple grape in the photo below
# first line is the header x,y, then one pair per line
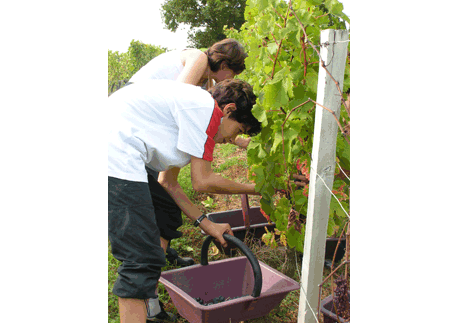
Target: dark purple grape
x,y
216,300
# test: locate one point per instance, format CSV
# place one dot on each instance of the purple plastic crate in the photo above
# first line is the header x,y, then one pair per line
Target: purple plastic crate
x,y
327,308
229,278
235,219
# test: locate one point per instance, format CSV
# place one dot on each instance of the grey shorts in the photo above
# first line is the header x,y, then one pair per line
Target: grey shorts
x,y
134,237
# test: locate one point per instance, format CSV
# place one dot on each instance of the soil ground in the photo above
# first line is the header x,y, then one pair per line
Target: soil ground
x,y
230,162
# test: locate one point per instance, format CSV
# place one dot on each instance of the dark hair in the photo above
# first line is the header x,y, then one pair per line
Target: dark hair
x,y
241,93
229,51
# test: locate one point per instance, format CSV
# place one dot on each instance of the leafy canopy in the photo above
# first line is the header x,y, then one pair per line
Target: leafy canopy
x,y
206,18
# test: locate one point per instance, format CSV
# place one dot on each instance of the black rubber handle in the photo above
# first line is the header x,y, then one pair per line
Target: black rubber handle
x,y
251,257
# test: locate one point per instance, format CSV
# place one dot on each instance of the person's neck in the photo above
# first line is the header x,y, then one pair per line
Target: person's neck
x,y
205,76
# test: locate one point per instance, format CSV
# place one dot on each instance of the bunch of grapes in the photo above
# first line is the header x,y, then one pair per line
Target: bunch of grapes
x,y
342,297
216,300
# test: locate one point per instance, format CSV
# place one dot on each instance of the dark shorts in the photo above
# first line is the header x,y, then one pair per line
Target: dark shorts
x,y
168,214
134,237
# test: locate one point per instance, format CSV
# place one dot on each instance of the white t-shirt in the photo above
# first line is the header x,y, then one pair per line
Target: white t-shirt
x,y
166,66
160,124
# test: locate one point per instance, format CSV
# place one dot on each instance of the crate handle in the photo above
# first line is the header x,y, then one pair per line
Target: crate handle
x,y
248,253
245,211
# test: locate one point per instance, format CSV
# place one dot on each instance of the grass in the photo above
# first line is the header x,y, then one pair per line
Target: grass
x,y
184,179
230,162
112,299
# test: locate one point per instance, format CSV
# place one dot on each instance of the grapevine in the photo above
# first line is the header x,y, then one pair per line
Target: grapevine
x,y
283,42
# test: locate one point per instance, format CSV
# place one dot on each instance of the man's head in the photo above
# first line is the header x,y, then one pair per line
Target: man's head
x,y
236,100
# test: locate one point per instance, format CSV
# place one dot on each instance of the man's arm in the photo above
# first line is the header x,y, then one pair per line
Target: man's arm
x,y
169,180
205,180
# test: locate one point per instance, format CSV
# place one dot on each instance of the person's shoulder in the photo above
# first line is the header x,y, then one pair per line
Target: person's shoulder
x,y
194,54
193,51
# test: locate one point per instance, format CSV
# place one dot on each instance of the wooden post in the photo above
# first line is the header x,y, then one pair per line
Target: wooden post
x,y
334,54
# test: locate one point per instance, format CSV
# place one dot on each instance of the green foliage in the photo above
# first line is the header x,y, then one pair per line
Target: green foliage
x,y
118,69
121,66
184,179
282,67
209,203
113,264
211,15
140,54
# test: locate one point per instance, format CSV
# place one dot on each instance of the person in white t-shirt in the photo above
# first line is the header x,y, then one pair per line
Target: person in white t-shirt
x,y
166,125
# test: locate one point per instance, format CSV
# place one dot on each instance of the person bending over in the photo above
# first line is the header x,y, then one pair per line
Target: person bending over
x,y
164,125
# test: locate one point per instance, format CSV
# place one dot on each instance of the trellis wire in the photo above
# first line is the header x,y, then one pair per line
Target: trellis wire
x,y
342,171
298,273
329,189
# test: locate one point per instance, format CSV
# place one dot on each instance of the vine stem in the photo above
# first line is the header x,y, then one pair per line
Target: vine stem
x,y
278,13
321,60
332,291
283,140
347,250
335,117
281,41
283,136
338,243
327,109
301,177
302,184
305,57
284,157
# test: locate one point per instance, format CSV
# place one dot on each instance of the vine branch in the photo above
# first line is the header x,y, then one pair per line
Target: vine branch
x,y
278,13
321,60
279,46
327,109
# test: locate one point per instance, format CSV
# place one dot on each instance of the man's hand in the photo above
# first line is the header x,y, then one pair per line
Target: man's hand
x,y
216,230
241,142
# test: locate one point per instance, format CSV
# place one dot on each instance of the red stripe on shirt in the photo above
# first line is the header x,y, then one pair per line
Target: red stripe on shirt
x,y
212,129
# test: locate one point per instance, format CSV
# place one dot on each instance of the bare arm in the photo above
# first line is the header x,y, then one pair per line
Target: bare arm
x,y
169,180
195,67
205,180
